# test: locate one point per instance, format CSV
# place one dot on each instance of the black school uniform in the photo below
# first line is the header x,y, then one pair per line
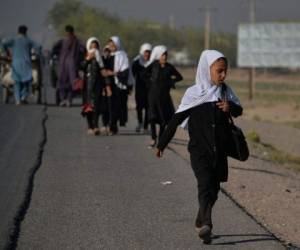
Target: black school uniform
x,y
118,101
162,79
92,91
141,93
122,90
208,128
107,100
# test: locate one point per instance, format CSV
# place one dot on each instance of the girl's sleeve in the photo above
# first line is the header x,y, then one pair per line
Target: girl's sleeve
x,y
101,63
84,64
234,103
123,76
176,76
170,131
147,75
134,69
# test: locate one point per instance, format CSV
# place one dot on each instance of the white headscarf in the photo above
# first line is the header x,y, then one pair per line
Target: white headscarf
x,y
96,51
121,59
140,57
145,47
204,90
157,52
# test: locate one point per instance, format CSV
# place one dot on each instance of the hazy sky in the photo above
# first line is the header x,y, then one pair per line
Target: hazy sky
x,y
186,12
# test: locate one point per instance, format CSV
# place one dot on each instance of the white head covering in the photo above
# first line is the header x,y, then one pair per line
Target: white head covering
x,y
121,59
117,41
204,90
145,47
157,52
96,51
140,56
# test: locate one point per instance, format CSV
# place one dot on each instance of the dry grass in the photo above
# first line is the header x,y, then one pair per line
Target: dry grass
x,y
271,153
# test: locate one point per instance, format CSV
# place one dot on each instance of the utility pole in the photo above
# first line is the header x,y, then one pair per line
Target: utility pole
x,y
207,24
172,22
252,9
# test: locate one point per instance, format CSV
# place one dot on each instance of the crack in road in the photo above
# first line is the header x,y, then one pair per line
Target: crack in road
x,y
20,216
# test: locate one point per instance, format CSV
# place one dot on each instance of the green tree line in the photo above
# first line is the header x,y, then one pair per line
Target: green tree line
x,y
90,21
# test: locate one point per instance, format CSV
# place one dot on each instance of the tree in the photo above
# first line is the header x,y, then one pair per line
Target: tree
x,y
89,21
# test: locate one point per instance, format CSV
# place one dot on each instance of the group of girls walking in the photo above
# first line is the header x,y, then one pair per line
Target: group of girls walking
x,y
109,80
154,78
106,88
204,111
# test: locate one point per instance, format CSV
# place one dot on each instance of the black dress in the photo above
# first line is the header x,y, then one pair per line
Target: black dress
x,y
141,92
117,103
162,79
208,130
106,110
92,91
123,90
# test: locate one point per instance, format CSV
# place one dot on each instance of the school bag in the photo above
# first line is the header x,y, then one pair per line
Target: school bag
x,y
237,147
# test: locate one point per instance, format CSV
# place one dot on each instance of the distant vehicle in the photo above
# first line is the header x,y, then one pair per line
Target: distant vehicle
x,y
180,58
7,82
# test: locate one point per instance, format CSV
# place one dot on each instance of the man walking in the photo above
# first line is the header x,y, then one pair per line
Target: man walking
x,y
20,47
70,53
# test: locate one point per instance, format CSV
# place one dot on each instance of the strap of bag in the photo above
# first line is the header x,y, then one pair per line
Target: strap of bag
x,y
225,98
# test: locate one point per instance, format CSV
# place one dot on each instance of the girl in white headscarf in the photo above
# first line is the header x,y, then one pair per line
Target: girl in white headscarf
x,y
139,69
204,110
163,77
120,86
94,71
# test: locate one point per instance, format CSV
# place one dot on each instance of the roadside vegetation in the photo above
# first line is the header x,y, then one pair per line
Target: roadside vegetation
x,y
90,21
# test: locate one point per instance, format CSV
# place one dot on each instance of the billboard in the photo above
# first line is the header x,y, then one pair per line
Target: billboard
x,y
268,45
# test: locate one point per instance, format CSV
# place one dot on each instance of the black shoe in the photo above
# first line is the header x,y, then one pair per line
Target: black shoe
x,y
205,234
138,128
152,144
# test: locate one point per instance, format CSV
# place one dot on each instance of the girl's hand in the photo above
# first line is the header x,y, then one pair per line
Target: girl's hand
x,y
224,105
110,72
104,72
90,56
108,91
159,153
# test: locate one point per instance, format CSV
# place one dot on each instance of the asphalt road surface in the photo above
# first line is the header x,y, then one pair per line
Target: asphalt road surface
x,y
21,135
102,192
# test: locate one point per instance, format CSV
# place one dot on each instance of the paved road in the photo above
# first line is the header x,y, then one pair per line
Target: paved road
x,y
102,192
20,136
106,193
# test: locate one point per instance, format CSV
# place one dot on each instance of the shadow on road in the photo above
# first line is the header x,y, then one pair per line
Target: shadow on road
x,y
257,238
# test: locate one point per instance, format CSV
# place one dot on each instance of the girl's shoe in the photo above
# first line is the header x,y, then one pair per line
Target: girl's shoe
x,y
205,234
152,144
62,103
103,130
90,131
145,131
138,128
96,131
